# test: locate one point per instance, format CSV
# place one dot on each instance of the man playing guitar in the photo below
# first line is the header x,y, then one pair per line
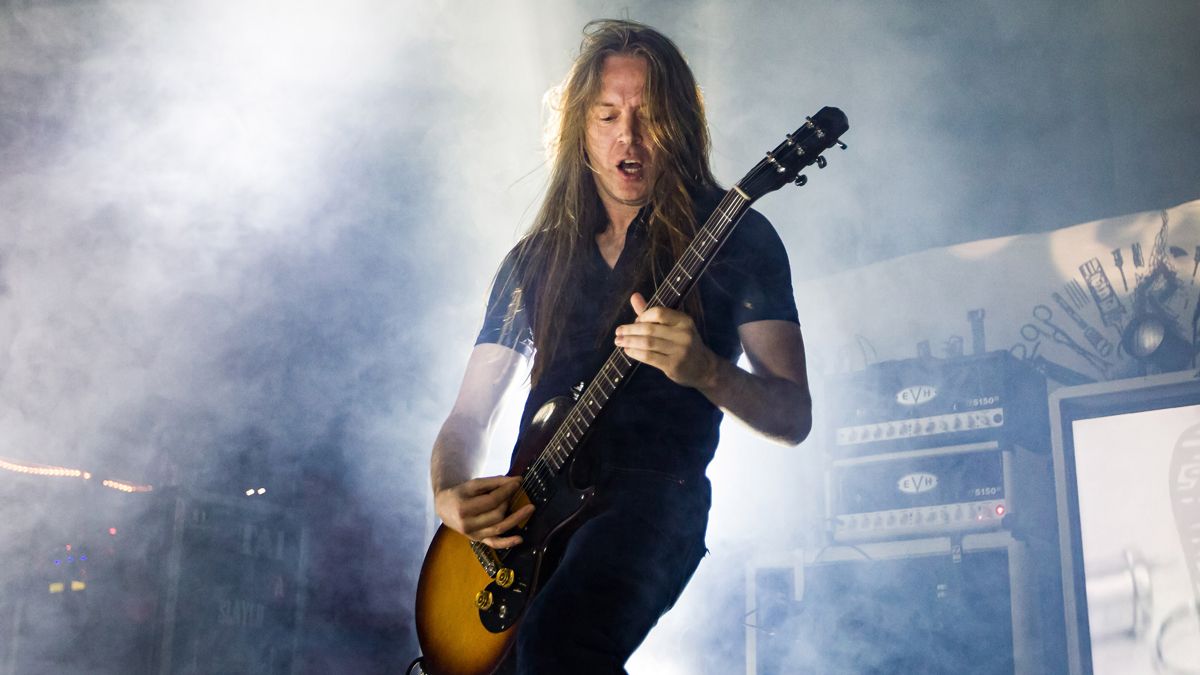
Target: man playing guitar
x,y
629,184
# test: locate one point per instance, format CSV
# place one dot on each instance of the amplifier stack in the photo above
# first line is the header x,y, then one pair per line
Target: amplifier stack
x,y
940,551
168,582
931,447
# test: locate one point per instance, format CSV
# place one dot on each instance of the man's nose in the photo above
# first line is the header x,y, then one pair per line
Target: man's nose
x,y
630,132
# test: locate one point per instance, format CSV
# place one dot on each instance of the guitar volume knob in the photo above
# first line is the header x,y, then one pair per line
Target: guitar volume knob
x,y
483,600
505,577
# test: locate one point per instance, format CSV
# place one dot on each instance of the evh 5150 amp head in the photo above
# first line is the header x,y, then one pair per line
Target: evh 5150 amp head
x,y
928,402
974,487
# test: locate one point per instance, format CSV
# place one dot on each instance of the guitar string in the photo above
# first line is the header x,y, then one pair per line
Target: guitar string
x,y
691,264
697,258
557,451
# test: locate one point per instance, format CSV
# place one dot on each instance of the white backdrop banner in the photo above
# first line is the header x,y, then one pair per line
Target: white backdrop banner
x,y
1064,296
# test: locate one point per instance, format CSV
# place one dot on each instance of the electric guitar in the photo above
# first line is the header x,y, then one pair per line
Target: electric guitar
x,y
470,597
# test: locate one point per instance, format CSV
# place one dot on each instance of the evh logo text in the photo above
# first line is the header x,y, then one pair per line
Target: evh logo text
x,y
916,395
915,483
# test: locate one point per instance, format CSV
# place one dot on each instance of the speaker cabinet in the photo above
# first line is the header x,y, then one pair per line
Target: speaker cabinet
x,y
980,604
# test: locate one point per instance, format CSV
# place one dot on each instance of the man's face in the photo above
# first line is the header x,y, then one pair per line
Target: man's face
x,y
622,164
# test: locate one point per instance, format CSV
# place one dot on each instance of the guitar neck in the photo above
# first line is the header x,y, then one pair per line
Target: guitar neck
x,y
703,248
618,367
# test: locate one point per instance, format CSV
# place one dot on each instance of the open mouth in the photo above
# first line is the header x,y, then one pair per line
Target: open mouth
x,y
631,168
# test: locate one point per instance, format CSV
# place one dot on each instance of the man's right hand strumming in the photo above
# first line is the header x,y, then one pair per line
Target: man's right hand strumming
x,y
478,508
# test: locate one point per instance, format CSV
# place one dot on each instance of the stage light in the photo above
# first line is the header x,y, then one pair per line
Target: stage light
x,y
262,491
1150,339
1144,336
250,492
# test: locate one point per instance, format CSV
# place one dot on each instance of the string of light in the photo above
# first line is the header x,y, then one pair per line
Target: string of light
x,y
43,470
33,469
126,487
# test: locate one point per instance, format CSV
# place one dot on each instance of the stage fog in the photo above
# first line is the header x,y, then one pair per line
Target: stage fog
x,y
245,249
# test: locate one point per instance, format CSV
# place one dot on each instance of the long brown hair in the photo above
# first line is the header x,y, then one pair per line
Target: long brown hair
x,y
562,234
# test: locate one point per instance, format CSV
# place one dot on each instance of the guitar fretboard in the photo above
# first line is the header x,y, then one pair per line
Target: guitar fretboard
x,y
618,367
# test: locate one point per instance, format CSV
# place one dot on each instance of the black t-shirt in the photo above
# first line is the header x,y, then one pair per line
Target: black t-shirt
x,y
651,424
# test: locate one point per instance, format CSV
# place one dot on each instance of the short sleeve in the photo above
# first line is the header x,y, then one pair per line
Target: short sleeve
x,y
754,271
506,320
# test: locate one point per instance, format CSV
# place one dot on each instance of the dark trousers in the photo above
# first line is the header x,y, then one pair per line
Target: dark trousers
x,y
620,571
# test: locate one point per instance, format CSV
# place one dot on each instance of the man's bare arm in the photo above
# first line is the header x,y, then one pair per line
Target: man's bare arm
x,y
476,507
774,399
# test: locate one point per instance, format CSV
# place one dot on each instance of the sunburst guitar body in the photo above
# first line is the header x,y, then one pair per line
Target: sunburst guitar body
x,y
469,597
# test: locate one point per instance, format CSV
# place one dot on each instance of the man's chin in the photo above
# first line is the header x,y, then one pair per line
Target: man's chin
x,y
637,196
625,197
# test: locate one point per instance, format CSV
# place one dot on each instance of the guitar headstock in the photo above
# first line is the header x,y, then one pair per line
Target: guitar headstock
x,y
799,150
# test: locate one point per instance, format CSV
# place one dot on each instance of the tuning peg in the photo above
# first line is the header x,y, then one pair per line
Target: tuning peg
x,y
822,162
801,180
